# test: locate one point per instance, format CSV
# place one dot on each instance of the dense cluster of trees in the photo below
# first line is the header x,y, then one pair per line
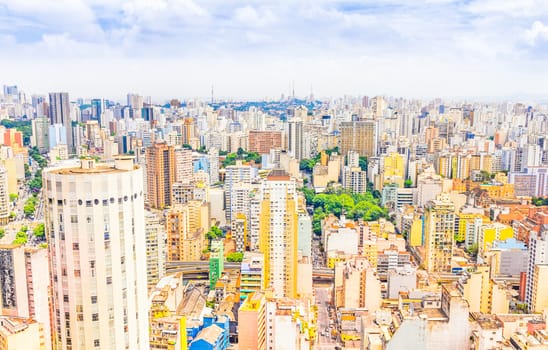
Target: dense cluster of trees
x,y
338,201
539,201
241,154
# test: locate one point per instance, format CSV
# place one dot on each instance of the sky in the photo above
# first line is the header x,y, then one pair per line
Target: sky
x,y
262,48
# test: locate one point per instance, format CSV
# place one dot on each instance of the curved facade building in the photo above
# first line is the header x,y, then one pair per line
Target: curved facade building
x,y
96,234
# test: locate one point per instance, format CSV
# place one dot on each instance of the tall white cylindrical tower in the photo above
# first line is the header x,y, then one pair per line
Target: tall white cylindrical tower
x,y
96,234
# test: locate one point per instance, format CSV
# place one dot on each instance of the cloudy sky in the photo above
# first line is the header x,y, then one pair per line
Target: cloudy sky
x,y
255,49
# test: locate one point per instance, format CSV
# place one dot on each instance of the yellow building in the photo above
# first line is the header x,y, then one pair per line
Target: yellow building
x,y
499,190
493,232
483,294
467,227
370,251
185,236
439,229
415,234
394,169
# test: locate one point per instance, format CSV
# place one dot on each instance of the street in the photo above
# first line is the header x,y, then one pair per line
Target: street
x,y
325,341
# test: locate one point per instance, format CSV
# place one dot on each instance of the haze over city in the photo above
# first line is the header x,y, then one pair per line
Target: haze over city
x,y
489,50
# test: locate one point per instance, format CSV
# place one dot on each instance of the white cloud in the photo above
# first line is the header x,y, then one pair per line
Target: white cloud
x,y
256,47
537,32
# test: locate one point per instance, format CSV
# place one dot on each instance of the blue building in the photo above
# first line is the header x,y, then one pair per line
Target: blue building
x,y
213,334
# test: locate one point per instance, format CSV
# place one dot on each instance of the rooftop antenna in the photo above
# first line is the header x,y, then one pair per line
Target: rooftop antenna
x,y
212,99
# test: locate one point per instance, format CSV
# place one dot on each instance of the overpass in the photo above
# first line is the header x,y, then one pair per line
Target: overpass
x,y
201,268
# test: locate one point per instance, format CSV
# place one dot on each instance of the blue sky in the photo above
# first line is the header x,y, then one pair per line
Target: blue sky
x,y
255,49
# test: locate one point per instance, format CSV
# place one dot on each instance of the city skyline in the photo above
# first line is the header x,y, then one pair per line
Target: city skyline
x,y
255,50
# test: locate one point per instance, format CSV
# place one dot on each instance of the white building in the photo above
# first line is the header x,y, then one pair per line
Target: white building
x,y
95,225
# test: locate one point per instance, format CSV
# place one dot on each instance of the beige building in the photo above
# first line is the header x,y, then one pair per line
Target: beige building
x,y
156,248
25,284
357,285
252,323
539,300
21,333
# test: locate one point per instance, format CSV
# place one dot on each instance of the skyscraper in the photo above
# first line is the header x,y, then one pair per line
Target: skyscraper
x,y
160,163
278,233
439,229
359,136
295,139
59,113
96,233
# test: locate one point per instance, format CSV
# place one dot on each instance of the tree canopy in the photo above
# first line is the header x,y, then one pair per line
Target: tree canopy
x,y
353,205
235,257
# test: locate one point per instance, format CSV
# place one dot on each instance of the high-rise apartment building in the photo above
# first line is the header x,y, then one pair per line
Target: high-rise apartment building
x,y
539,296
156,248
439,230
40,134
359,136
237,176
278,233
160,163
183,165
295,139
59,113
538,255
213,165
95,225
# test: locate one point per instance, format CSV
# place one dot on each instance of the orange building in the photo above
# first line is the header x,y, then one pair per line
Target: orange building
x,y
13,138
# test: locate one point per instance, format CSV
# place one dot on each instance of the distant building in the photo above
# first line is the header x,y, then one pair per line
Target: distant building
x,y
359,136
263,141
160,164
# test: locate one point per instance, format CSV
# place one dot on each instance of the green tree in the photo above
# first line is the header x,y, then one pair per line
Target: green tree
x,y
2,233
363,162
39,230
408,183
13,196
235,257
214,233
473,250
20,238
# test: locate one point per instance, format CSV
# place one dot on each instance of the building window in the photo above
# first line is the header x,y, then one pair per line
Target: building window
x,y
95,317
66,298
94,299
96,343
